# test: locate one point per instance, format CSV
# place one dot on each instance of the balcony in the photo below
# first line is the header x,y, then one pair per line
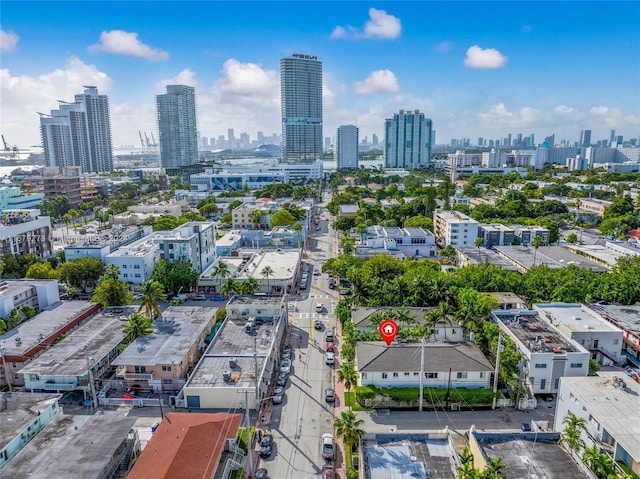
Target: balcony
x,y
122,372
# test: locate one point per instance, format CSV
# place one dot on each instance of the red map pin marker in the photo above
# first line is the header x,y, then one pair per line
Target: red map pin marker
x,y
388,330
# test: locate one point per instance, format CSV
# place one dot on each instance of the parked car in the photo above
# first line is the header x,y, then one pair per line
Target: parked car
x,y
282,380
330,348
327,446
285,367
330,359
317,272
526,427
319,307
266,445
329,336
317,324
218,297
200,297
278,395
329,395
328,472
262,474
287,354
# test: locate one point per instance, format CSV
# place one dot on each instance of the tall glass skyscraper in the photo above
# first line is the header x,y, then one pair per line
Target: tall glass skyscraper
x,y
79,133
346,150
301,101
407,140
177,128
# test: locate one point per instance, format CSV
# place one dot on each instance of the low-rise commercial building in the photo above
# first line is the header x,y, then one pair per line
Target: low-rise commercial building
x,y
447,364
26,341
11,198
22,416
243,356
586,327
547,356
609,409
161,361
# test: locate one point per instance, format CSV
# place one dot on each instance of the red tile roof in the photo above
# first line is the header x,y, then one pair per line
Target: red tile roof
x,y
186,445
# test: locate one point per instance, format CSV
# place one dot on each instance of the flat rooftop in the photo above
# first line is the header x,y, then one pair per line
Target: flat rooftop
x,y
18,286
599,252
537,335
455,217
141,247
480,255
95,338
20,410
407,457
233,342
34,331
257,300
575,317
73,447
173,335
283,263
625,317
529,455
610,406
552,256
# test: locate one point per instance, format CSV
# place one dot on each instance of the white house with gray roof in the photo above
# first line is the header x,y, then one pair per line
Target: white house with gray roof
x,y
460,364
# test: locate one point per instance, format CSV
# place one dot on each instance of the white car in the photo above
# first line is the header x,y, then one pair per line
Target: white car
x,y
327,446
286,366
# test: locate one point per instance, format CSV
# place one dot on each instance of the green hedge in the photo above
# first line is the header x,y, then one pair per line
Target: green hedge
x,y
430,395
241,437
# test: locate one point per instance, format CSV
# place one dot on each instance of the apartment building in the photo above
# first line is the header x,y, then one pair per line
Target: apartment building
x,y
593,205
495,235
525,234
257,214
194,241
412,242
454,228
23,232
37,293
547,354
624,317
135,261
161,361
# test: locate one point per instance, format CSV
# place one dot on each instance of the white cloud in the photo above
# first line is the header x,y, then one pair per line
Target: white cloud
x,y
443,47
8,41
242,81
477,58
185,77
24,95
380,26
379,81
128,44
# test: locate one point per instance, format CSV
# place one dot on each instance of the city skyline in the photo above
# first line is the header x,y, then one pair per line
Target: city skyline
x,y
479,69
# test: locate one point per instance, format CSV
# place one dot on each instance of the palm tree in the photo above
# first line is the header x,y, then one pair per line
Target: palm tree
x,y
221,271
152,292
111,272
478,242
229,286
494,469
248,286
266,272
348,351
572,434
536,243
349,428
599,462
440,315
67,218
404,316
138,325
297,227
348,375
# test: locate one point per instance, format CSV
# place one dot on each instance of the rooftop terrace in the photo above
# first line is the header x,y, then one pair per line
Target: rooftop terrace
x,y
535,334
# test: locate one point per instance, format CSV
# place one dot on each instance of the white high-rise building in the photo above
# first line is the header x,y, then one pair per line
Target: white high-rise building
x,y
79,133
301,102
177,127
346,151
407,140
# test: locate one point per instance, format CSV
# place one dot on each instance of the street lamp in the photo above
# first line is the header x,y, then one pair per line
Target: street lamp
x,y
3,352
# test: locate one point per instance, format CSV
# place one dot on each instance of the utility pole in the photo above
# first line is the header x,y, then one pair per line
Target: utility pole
x,y
249,442
255,363
420,400
92,385
495,375
3,352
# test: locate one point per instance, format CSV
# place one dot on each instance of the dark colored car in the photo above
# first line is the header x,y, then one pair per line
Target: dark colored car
x,y
261,474
282,379
278,394
329,337
218,297
317,324
329,395
525,427
266,445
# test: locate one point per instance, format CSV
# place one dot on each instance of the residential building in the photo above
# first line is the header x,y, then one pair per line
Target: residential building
x,y
78,447
298,172
346,149
23,232
469,255
525,234
135,261
447,364
547,355
79,133
28,339
454,228
523,454
22,416
413,242
578,163
408,140
177,128
53,183
554,257
507,300
257,213
98,250
607,254
585,138
284,266
37,293
171,452
83,358
161,361
586,327
495,235
349,210
95,245
194,241
624,317
608,403
242,356
301,103
593,205
11,198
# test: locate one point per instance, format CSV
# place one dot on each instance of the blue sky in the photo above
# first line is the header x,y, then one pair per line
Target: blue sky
x,y
476,68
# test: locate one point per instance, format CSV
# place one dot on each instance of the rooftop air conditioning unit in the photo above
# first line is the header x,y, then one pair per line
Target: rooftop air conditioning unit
x,y
226,375
233,363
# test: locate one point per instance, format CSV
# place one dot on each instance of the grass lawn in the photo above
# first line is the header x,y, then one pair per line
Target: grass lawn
x,y
350,400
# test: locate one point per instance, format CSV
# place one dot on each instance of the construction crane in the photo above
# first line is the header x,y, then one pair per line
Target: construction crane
x,y
141,140
10,151
154,140
147,138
